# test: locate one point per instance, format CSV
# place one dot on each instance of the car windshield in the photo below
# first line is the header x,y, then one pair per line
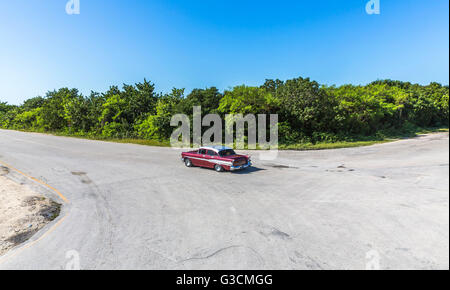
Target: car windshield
x,y
227,152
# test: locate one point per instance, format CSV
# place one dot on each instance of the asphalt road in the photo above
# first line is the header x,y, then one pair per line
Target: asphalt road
x,y
139,207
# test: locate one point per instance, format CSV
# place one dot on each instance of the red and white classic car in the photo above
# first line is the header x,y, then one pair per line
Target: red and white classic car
x,y
220,158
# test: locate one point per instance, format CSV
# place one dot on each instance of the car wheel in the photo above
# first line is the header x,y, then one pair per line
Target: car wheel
x,y
218,168
188,162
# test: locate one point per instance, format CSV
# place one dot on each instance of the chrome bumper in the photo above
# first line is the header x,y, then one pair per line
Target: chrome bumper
x,y
233,168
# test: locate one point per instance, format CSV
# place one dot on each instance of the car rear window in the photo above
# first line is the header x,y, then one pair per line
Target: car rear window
x,y
227,152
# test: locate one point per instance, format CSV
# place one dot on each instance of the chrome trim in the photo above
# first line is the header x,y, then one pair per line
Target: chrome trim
x,y
220,162
233,168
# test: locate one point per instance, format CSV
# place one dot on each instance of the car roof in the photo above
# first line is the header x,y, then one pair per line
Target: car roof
x,y
216,148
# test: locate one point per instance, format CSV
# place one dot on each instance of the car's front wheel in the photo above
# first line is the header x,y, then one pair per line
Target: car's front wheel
x,y
188,162
218,168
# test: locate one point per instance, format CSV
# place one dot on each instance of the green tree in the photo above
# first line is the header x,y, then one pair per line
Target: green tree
x,y
306,106
112,118
53,110
245,100
157,126
208,99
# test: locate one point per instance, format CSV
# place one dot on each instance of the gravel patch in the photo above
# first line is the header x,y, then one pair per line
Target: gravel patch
x,y
22,212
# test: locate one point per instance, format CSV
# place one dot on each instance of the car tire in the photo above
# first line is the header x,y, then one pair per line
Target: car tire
x,y
218,168
188,162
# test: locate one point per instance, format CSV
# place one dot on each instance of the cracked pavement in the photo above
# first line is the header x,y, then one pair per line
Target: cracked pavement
x,y
139,207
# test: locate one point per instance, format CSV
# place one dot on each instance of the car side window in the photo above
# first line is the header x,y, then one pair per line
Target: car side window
x,y
211,153
202,151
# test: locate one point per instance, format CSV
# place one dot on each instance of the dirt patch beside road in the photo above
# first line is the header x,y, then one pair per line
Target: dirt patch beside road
x,y
22,212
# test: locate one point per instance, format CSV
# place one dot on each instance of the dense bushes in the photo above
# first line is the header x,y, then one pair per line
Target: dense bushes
x,y
308,112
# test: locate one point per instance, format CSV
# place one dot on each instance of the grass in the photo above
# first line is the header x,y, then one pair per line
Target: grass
x,y
145,142
56,210
334,145
300,146
435,130
141,142
382,137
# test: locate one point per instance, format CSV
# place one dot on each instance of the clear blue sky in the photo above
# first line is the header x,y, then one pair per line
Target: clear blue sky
x,y
200,43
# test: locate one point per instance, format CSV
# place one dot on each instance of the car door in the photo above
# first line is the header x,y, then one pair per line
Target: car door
x,y
200,159
211,156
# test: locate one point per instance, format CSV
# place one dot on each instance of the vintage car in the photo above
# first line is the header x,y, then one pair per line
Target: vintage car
x,y
220,158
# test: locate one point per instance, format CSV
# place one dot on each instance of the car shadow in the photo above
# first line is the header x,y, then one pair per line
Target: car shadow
x,y
248,170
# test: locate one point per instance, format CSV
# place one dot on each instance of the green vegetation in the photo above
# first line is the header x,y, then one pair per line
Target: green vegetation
x,y
54,210
311,116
